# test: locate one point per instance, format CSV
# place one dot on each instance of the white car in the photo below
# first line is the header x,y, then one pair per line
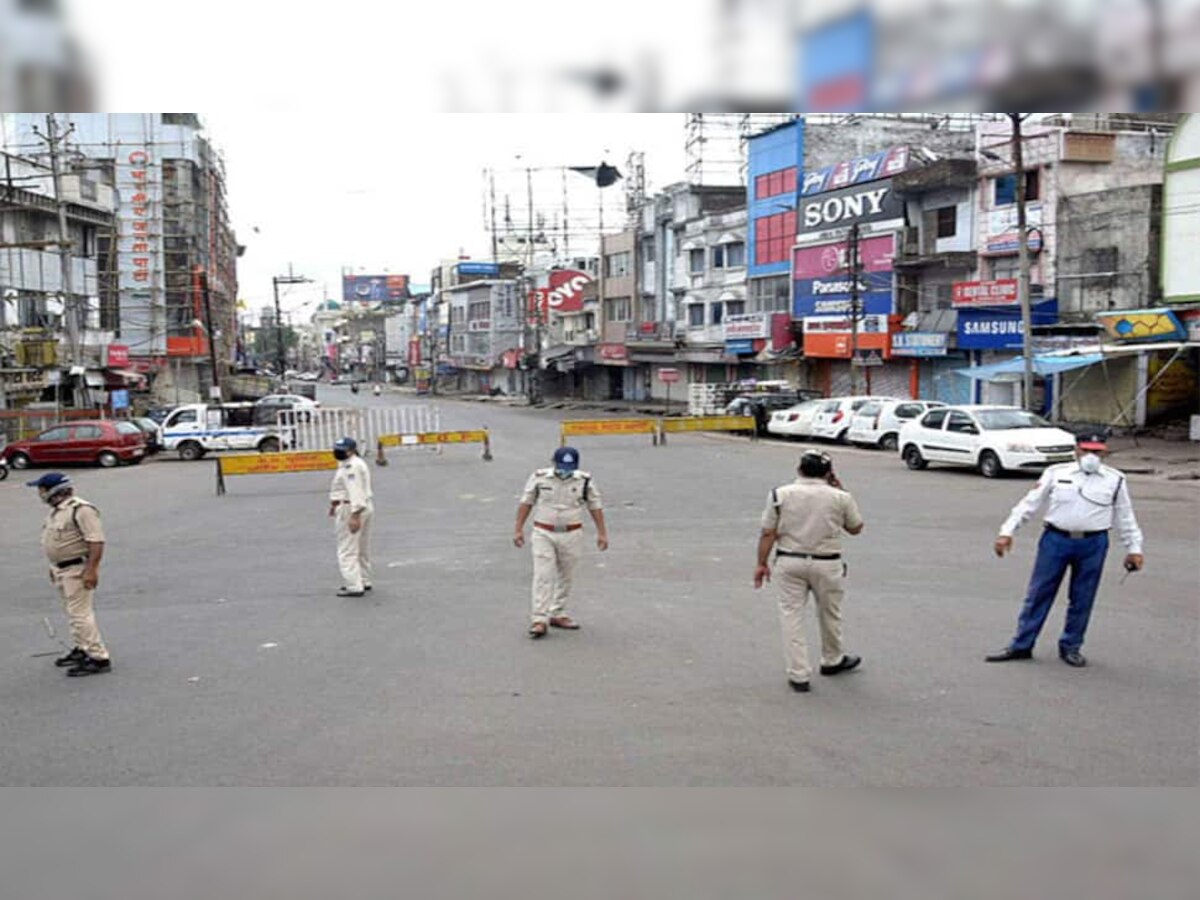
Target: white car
x,y
878,422
287,401
991,438
795,421
832,419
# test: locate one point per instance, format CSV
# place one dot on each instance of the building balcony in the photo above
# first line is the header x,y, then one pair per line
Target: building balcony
x,y
919,250
650,333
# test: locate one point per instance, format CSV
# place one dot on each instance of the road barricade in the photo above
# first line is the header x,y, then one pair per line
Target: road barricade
x,y
272,464
433,438
707,423
576,427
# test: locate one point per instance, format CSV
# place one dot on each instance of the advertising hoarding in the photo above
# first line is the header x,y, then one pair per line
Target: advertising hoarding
x,y
1002,292
865,204
374,288
999,329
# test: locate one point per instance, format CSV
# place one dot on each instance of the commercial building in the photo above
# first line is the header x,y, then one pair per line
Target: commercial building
x,y
172,221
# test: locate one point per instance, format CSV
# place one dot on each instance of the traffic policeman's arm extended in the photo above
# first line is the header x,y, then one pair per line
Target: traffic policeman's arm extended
x,y
1066,489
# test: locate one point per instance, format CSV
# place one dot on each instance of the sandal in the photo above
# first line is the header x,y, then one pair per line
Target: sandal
x,y
537,630
564,622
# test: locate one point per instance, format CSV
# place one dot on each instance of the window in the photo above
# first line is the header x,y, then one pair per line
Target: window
x,y
772,184
735,255
773,237
1006,188
122,428
718,257
934,419
695,315
770,294
947,221
871,409
648,249
696,262
1004,267
616,265
1099,259
716,313
618,309
92,432
908,410
182,417
735,307
961,423
55,434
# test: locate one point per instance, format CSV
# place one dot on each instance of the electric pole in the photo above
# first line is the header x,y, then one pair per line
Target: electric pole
x,y
852,265
70,307
1023,262
280,352
201,278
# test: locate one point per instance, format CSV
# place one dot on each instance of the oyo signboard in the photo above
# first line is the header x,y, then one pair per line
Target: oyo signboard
x,y
563,295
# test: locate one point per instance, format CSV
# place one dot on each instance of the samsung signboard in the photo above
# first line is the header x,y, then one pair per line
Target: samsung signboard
x,y
1000,328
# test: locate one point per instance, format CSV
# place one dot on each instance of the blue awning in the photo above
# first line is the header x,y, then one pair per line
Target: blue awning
x,y
1014,369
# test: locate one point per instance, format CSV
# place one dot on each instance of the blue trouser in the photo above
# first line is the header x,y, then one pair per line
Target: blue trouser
x,y
1056,553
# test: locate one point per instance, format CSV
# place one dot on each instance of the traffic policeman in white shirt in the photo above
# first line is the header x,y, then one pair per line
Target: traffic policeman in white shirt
x,y
1082,500
351,505
557,497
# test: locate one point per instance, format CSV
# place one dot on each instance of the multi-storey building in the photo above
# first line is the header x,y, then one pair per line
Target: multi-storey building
x,y
172,222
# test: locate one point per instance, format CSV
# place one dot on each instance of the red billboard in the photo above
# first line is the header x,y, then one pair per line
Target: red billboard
x,y
564,294
984,293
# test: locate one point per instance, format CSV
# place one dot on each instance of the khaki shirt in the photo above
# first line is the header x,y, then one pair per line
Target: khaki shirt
x,y
69,528
560,501
352,484
809,516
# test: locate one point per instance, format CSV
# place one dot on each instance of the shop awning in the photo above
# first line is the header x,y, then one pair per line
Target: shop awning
x,y
1014,369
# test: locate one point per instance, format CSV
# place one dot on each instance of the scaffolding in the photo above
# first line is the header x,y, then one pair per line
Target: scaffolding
x,y
716,144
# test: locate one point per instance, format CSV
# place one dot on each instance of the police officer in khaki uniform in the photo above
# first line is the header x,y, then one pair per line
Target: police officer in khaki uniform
x,y
352,506
557,497
804,522
74,543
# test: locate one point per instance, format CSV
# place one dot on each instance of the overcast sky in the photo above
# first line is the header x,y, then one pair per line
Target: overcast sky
x,y
321,190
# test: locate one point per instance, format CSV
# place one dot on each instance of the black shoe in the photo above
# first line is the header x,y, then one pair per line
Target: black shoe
x,y
367,587
1073,658
1007,654
847,663
800,687
75,657
89,666
346,592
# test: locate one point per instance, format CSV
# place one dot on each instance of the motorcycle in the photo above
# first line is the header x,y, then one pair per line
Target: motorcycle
x,y
3,467
354,387
378,390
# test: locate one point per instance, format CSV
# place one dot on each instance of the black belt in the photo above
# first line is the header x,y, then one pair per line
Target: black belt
x,y
1074,534
67,563
820,556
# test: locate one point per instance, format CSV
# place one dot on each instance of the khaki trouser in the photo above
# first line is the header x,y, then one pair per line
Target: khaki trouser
x,y
353,549
795,578
555,555
77,600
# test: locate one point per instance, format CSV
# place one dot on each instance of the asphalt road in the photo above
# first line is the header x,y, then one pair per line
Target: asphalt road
x,y
234,664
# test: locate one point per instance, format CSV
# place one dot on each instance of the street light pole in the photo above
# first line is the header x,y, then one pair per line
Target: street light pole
x,y
1023,263
280,356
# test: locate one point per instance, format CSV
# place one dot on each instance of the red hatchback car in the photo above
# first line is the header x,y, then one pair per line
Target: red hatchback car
x,y
101,441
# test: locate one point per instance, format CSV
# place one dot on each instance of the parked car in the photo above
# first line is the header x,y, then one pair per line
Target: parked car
x,y
878,422
287,401
795,421
267,408
832,419
993,439
159,413
104,442
153,433
761,404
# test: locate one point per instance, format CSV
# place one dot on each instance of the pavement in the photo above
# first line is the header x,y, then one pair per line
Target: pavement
x,y
234,664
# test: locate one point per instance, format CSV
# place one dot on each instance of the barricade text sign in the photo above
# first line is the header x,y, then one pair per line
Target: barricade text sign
x,y
272,464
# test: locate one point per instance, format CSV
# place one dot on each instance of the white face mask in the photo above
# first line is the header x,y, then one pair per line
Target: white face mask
x,y
1089,463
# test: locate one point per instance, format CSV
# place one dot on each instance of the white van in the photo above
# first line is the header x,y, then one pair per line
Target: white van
x,y
199,428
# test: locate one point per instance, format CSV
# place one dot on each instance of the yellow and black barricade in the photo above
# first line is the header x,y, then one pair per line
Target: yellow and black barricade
x,y
708,423
272,464
437,438
576,427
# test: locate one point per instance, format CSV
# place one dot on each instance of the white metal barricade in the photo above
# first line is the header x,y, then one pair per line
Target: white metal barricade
x,y
318,428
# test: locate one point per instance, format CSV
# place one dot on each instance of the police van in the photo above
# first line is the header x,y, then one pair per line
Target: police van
x,y
195,429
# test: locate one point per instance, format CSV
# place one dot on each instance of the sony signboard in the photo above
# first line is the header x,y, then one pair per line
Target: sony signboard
x,y
864,204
